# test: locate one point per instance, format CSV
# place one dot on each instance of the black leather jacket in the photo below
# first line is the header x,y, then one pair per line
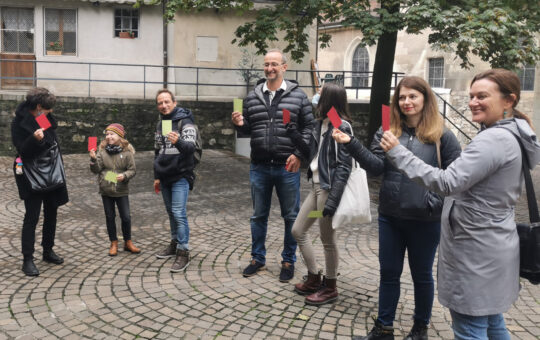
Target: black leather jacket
x,y
399,196
333,171
270,143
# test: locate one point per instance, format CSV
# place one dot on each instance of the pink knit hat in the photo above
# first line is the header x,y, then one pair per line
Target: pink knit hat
x,y
116,128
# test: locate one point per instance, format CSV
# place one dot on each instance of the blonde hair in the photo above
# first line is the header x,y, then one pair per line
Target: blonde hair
x,y
123,143
431,126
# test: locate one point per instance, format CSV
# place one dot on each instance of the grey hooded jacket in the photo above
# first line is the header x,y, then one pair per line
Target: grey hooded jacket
x,y
478,268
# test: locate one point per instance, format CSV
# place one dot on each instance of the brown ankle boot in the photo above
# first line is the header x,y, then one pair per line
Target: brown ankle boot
x,y
113,251
311,285
326,294
129,246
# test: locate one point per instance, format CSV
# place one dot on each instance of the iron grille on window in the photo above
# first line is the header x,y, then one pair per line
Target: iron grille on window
x,y
61,30
17,30
436,72
526,77
360,64
126,20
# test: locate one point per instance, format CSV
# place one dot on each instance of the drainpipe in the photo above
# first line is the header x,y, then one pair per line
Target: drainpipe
x,y
165,46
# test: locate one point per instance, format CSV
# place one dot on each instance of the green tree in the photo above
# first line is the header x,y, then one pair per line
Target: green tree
x,y
500,32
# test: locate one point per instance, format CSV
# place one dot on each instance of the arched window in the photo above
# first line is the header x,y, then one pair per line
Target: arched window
x,y
360,67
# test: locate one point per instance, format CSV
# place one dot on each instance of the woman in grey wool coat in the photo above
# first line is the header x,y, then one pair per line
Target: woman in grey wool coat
x,y
478,270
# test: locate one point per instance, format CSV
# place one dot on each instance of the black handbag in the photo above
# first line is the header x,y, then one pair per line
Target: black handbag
x,y
46,171
529,234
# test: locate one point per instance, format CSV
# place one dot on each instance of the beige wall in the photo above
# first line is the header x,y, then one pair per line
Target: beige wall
x,y
187,27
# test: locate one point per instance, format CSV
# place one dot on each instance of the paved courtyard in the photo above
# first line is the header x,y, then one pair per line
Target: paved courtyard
x,y
94,296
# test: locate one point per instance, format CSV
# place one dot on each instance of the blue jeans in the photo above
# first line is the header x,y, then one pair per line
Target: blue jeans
x,y
420,239
175,196
263,179
467,327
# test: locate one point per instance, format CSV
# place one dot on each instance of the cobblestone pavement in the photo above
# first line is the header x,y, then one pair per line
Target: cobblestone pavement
x,y
94,296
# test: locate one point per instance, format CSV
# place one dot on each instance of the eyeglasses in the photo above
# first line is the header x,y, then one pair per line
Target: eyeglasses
x,y
267,65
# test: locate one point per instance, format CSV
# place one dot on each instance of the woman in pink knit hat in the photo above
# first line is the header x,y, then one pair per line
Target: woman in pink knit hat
x,y
114,163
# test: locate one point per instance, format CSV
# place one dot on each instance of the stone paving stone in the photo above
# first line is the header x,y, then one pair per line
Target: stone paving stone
x,y
94,296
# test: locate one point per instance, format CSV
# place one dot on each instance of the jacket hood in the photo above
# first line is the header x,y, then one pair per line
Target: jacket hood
x,y
178,113
521,129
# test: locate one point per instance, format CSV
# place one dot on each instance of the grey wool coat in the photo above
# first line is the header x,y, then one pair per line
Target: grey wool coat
x,y
478,266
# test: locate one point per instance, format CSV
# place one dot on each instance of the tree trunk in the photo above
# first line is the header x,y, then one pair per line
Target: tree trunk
x,y
382,77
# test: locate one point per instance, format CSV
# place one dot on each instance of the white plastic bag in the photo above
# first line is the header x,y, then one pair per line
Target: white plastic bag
x,y
354,206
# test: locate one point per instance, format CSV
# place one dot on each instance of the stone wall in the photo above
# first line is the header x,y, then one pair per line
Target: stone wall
x,y
79,118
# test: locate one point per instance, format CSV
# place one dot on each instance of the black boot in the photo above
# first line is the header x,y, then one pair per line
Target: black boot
x,y
50,256
418,331
29,268
378,332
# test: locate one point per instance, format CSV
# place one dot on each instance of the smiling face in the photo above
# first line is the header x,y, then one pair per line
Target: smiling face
x,y
411,102
165,103
112,138
487,103
274,68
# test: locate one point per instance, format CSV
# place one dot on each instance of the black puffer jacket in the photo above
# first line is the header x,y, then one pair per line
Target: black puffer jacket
x,y
22,133
399,196
270,143
333,171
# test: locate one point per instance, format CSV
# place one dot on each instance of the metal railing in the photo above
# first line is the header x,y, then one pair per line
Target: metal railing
x,y
447,109
147,75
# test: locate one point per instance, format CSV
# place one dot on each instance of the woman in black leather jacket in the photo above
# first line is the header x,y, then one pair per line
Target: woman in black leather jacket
x,y
329,169
409,215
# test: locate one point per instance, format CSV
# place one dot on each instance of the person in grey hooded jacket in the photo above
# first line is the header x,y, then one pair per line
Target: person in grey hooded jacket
x,y
478,270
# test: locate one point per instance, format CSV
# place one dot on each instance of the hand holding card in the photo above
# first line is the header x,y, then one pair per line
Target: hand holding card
x,y
237,104
334,118
385,117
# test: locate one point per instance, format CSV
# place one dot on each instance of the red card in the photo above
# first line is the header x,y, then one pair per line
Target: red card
x,y
334,118
92,143
385,117
43,122
286,116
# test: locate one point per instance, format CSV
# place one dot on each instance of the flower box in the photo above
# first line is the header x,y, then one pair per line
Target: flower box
x,y
49,52
126,35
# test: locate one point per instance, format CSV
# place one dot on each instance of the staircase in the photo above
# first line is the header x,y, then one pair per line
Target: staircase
x,y
464,129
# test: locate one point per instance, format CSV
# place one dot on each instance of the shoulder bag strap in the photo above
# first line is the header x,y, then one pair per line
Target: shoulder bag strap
x,y
438,146
531,197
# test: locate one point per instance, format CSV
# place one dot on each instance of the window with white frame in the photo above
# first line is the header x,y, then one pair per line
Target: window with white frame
x,y
526,77
126,20
17,25
360,67
61,31
436,72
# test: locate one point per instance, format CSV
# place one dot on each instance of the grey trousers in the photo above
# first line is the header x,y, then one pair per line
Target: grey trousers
x,y
315,201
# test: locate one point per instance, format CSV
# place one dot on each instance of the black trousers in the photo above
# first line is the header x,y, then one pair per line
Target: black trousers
x,y
110,216
31,217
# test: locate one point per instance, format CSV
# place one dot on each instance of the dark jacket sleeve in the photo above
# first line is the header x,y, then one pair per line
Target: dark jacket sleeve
x,y
186,142
306,122
341,173
27,146
298,140
370,160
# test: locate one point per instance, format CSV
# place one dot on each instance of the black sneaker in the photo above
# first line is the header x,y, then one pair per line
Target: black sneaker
x,y
287,272
170,251
252,268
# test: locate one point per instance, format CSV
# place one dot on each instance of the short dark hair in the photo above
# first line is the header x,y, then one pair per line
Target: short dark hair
x,y
40,96
165,91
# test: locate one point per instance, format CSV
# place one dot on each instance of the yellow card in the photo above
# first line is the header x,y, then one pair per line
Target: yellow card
x,y
237,105
111,177
166,127
315,214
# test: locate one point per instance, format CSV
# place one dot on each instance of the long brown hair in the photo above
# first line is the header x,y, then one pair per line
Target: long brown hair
x,y
430,127
336,96
508,83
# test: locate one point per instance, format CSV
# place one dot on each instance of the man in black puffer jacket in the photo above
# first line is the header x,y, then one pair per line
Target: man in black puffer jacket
x,y
275,160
